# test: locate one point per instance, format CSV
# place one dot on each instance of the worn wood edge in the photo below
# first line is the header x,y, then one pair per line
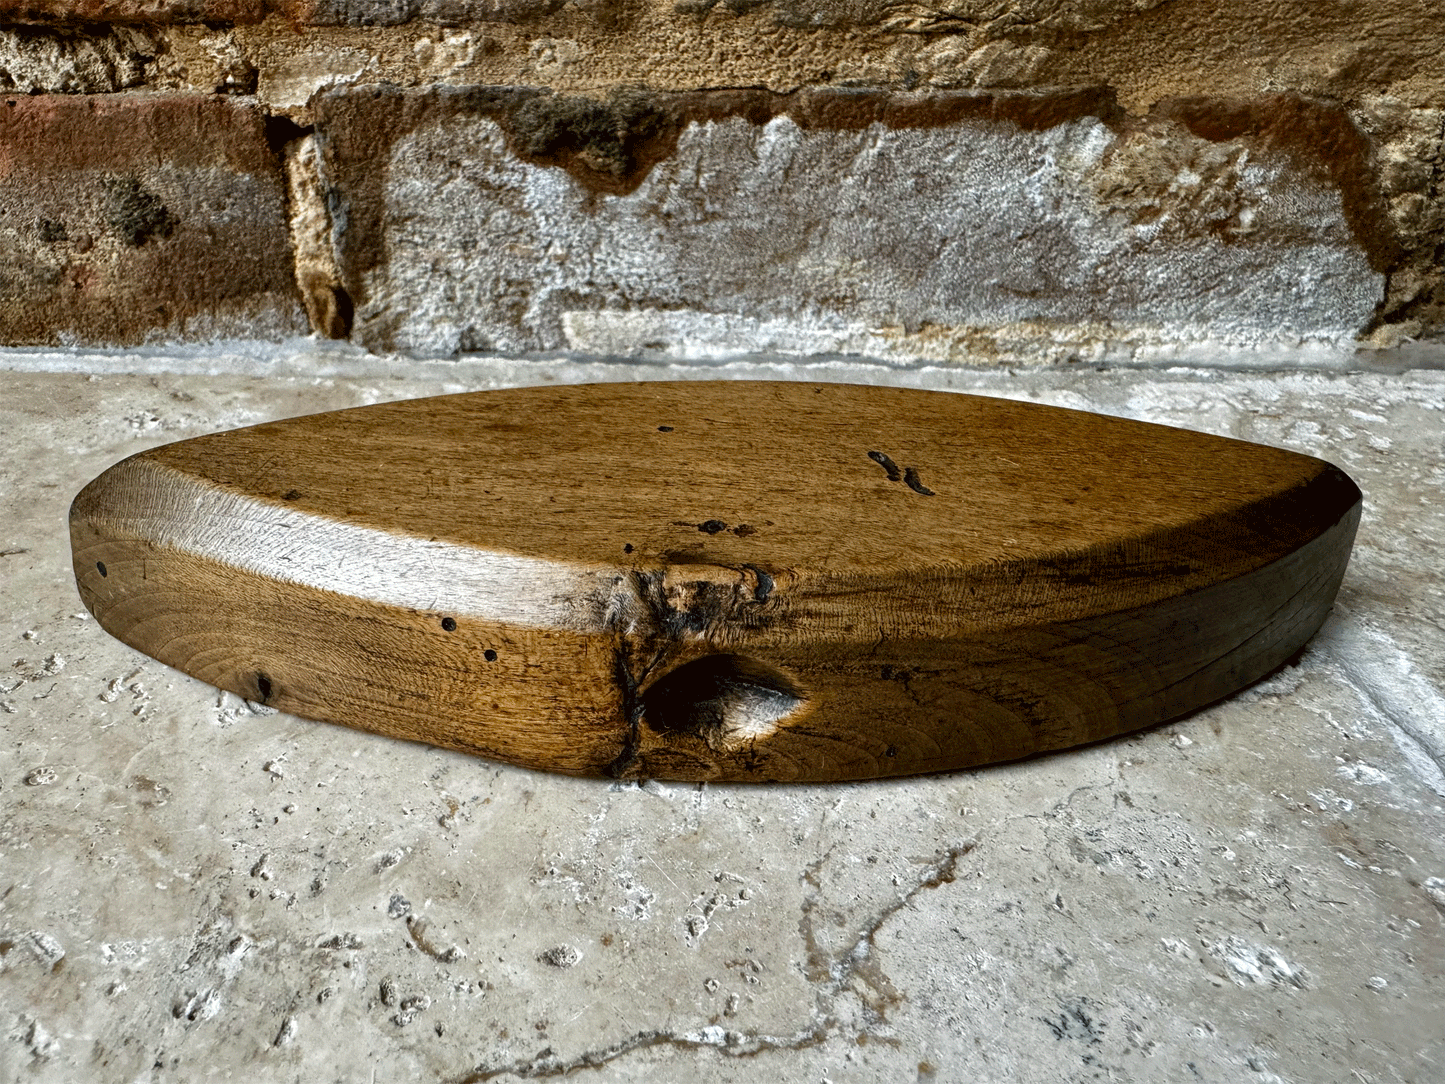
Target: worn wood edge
x,y
744,603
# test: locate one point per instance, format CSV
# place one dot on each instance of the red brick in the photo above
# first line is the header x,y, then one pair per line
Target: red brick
x,y
128,218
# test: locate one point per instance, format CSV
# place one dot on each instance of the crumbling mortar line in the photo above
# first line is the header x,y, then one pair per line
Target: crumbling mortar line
x,y
1435,191
1435,194
943,871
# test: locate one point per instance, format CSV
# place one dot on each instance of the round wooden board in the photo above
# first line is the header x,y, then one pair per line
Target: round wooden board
x,y
719,580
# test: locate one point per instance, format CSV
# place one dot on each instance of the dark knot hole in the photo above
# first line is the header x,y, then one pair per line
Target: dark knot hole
x,y
727,700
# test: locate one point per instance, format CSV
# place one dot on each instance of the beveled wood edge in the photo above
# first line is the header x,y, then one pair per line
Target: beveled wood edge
x,y
166,506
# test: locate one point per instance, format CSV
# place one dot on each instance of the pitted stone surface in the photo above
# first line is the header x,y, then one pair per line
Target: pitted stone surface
x,y
947,226
126,219
44,61
188,881
73,12
1376,62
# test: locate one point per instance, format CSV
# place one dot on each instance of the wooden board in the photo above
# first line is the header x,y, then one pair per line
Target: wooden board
x,y
719,580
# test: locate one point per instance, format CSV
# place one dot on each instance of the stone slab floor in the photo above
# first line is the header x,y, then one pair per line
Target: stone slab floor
x,y
193,888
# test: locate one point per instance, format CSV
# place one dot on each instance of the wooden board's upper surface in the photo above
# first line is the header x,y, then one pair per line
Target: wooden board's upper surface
x,y
823,483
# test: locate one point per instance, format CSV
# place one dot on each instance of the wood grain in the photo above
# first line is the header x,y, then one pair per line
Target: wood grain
x,y
719,580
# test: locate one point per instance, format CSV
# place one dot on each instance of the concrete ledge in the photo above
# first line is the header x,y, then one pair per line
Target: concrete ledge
x,y
188,881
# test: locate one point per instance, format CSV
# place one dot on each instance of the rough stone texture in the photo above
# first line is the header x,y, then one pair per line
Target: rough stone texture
x,y
905,226
193,886
1410,159
127,218
34,61
396,12
1189,47
77,12
1375,63
211,61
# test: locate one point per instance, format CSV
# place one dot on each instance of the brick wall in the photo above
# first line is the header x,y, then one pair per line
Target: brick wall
x,y
1014,180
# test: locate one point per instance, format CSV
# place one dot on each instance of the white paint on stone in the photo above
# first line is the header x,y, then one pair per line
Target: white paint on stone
x,y
1250,964
978,239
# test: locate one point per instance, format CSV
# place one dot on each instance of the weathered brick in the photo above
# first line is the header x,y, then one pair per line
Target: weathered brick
x,y
44,60
960,16
129,218
906,225
448,12
131,11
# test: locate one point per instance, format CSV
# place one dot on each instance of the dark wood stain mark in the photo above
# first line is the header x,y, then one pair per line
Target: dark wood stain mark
x,y
908,475
894,474
631,713
629,756
765,583
911,479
